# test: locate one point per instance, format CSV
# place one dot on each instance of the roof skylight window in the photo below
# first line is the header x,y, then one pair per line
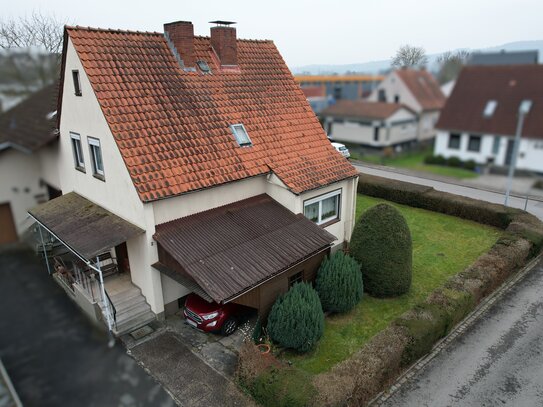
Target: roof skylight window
x,y
204,67
241,135
490,108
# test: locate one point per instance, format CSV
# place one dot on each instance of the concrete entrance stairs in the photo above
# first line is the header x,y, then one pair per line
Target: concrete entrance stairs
x,y
132,309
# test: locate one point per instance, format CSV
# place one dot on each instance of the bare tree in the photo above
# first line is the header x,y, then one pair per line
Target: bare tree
x,y
36,30
409,56
450,64
32,46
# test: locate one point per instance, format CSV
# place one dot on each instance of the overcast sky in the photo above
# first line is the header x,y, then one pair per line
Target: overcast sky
x,y
317,31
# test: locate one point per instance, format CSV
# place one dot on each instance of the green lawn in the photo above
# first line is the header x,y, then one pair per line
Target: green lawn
x,y
415,161
442,246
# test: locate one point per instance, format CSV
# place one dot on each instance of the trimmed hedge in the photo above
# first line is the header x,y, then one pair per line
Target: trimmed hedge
x,y
296,319
339,283
381,243
357,380
450,162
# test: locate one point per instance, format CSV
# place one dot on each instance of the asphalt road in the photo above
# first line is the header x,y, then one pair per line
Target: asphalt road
x,y
533,206
497,362
52,353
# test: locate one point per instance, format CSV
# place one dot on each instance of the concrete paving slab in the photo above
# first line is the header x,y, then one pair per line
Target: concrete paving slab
x,y
189,380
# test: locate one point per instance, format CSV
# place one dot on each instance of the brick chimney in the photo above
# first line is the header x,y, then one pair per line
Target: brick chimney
x,y
224,42
180,35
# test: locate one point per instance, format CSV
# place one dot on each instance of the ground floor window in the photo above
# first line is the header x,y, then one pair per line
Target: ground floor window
x,y
496,145
323,208
295,278
454,141
474,143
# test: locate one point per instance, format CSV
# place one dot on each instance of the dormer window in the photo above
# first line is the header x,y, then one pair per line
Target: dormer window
x,y
241,135
77,83
490,108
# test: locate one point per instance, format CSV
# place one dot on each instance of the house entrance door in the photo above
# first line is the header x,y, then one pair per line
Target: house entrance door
x,y
121,252
509,151
8,233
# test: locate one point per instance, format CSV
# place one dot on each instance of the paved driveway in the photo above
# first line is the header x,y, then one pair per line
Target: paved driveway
x,y
53,355
497,362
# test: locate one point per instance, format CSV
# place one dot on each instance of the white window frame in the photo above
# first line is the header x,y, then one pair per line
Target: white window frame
x,y
77,148
94,142
321,198
238,136
77,82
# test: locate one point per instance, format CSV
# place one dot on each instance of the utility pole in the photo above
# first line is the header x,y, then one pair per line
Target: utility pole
x,y
523,110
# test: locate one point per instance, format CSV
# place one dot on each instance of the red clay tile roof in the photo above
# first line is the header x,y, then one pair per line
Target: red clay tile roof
x,y
27,124
172,126
507,85
314,91
362,109
424,88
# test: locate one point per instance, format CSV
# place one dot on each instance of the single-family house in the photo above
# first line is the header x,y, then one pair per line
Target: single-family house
x,y
374,124
189,164
28,152
416,89
480,118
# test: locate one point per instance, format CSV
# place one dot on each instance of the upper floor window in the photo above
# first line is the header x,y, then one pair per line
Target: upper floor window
x,y
96,157
323,208
296,278
490,107
241,135
454,141
77,82
79,161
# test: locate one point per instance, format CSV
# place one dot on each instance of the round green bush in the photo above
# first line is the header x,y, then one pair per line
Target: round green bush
x,y
339,283
296,319
381,243
470,165
454,162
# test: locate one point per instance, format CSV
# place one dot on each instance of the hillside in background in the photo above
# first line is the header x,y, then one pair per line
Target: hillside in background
x,y
375,67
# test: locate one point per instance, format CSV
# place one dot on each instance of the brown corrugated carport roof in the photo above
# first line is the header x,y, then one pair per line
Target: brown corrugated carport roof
x,y
84,226
234,248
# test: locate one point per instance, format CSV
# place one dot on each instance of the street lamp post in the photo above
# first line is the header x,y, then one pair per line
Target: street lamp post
x,y
523,110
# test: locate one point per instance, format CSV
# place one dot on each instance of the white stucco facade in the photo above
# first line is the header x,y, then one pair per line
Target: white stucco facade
x,y
400,127
493,149
116,192
20,185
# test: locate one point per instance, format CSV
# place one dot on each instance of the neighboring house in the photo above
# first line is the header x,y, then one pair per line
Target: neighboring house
x,y
419,91
28,154
339,87
193,160
480,117
316,96
504,58
374,124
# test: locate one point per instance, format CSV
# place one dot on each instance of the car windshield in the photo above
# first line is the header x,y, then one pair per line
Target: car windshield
x,y
342,148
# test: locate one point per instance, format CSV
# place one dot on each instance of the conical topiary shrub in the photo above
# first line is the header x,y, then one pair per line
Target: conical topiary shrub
x,y
296,319
381,243
339,283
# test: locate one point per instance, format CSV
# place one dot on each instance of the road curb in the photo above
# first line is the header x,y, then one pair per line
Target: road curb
x,y
459,330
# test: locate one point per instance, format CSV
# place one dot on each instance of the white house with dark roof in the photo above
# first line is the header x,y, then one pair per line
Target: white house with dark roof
x,y
373,124
480,117
28,155
156,128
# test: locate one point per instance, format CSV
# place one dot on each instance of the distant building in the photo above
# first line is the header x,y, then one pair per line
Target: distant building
x,y
480,117
316,96
339,87
28,160
416,89
374,124
504,58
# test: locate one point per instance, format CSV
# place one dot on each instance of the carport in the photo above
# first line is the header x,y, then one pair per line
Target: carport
x,y
247,252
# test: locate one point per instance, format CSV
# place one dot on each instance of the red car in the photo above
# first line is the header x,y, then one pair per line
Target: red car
x,y
210,316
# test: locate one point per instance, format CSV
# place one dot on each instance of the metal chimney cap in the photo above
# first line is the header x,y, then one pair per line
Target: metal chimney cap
x,y
222,22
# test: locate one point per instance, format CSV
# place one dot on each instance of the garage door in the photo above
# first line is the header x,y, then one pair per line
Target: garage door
x,y
8,234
